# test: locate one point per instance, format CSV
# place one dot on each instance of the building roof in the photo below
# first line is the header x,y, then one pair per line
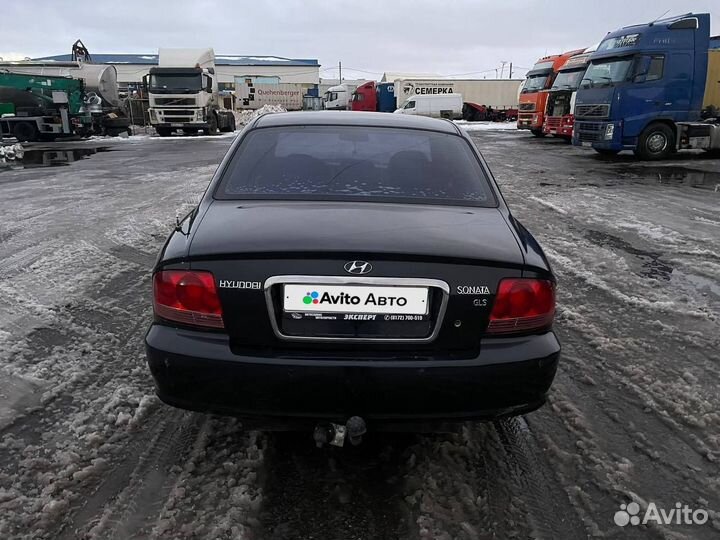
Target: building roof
x,y
220,60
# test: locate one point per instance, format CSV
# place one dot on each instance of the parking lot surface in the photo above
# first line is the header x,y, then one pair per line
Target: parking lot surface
x,y
87,451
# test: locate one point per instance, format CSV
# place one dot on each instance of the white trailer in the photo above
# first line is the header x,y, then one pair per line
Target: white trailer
x,y
495,93
253,96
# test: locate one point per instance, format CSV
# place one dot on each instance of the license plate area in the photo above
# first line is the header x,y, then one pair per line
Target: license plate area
x,y
333,308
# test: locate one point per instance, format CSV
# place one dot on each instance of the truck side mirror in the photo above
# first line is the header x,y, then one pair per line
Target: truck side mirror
x,y
145,82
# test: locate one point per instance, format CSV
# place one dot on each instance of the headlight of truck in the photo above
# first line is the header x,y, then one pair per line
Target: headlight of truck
x,y
200,115
609,131
153,115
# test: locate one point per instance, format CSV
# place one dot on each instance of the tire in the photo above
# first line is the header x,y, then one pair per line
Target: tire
x,y
164,131
656,142
25,132
232,124
537,132
212,128
607,151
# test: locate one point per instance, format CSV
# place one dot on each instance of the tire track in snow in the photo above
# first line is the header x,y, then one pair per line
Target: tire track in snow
x,y
131,496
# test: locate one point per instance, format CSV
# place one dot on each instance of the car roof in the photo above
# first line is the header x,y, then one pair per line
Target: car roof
x,y
355,118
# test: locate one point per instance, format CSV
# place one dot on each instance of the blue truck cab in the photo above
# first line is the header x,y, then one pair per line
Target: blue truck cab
x,y
642,82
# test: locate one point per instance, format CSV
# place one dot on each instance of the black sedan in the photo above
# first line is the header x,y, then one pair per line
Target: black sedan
x,y
353,264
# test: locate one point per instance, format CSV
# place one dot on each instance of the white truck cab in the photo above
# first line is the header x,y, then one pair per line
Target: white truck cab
x,y
436,106
183,93
337,98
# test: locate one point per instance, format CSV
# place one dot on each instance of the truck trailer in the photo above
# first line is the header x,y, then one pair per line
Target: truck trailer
x,y
183,93
652,88
483,99
533,96
251,95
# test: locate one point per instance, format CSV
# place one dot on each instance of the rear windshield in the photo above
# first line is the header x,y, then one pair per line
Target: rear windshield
x,y
356,163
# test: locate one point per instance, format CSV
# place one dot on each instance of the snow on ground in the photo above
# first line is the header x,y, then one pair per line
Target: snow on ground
x,y
486,126
88,451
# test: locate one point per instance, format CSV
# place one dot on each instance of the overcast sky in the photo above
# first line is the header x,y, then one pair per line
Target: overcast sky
x,y
445,37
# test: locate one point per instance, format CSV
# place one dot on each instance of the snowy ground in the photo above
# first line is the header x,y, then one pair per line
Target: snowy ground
x,y
87,451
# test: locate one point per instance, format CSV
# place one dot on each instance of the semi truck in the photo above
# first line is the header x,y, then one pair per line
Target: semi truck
x,y
652,88
43,107
533,96
183,93
483,99
338,98
373,96
559,118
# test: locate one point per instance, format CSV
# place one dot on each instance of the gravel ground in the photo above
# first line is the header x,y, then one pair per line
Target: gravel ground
x,y
87,451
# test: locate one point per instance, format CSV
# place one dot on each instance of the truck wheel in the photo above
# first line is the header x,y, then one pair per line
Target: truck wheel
x,y
212,128
233,126
607,151
163,131
537,132
656,142
25,132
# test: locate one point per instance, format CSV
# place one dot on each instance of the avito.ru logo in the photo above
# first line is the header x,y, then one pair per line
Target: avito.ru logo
x,y
629,514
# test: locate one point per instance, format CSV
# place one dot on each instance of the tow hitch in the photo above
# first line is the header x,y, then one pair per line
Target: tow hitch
x,y
336,434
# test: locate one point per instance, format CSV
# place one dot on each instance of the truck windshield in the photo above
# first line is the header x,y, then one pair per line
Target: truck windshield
x,y
533,84
606,72
568,80
180,81
356,163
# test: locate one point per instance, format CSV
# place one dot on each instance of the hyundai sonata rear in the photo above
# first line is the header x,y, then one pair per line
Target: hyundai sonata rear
x,y
353,264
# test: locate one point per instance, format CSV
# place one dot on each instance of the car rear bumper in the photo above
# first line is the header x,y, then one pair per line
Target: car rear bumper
x,y
198,371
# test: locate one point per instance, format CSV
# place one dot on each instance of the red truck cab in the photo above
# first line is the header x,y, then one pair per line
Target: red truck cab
x,y
559,117
533,96
364,97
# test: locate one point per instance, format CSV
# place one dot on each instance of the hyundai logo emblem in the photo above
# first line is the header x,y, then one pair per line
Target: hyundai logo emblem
x,y
358,267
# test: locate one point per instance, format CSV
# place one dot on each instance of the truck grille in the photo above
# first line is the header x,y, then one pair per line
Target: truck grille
x,y
589,131
553,122
175,101
601,110
527,107
179,112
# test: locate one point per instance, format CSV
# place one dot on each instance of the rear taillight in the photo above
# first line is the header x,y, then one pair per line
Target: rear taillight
x,y
187,297
522,305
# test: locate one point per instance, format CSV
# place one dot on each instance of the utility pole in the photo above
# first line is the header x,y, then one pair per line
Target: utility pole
x,y
340,71
502,67
510,77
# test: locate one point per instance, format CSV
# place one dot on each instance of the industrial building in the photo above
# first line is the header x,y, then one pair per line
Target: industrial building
x,y
229,68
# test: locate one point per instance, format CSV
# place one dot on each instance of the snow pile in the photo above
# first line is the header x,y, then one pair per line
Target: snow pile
x,y
247,116
486,126
11,152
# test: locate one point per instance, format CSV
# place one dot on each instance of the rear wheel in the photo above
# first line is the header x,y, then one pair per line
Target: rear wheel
x,y
656,142
607,151
25,132
163,131
537,132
